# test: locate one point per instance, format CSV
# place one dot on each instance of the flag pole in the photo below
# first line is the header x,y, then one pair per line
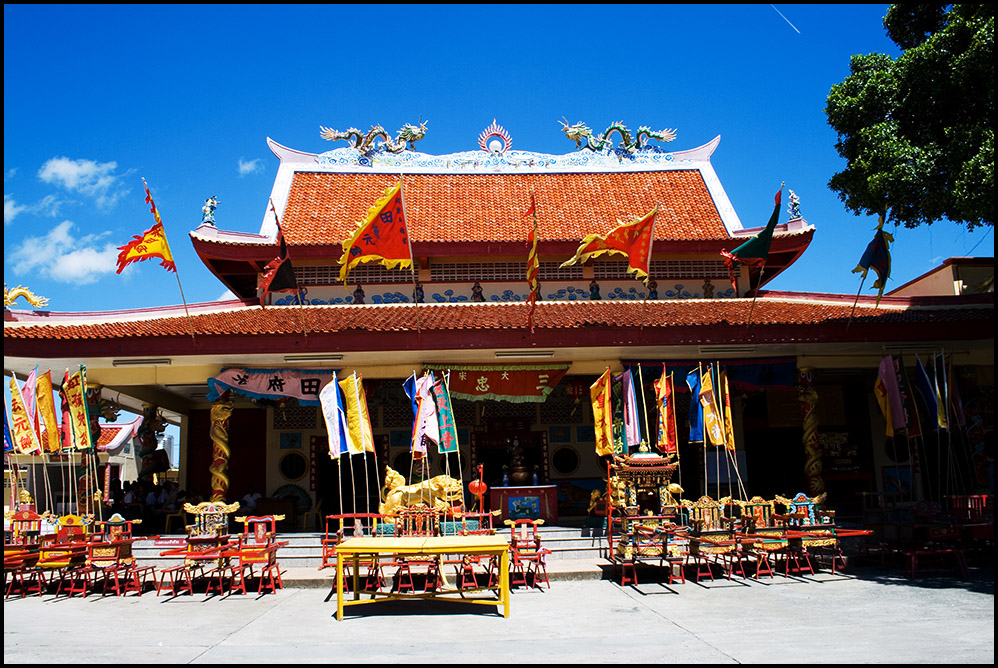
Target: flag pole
x,y
159,220
412,259
301,303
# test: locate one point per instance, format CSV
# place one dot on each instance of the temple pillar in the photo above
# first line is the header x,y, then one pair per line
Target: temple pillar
x,y
808,397
221,411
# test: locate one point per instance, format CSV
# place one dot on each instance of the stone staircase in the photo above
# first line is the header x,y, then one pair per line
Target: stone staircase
x,y
304,550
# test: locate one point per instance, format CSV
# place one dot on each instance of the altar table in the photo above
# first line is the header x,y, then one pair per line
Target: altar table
x,y
426,546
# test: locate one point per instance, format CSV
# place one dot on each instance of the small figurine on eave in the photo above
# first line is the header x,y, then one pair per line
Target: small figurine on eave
x,y
208,210
652,289
358,295
417,294
594,290
476,292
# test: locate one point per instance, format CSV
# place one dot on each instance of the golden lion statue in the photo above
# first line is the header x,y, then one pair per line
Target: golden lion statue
x,y
440,492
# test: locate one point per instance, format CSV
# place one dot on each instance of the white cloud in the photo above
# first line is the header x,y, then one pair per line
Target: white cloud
x,y
10,209
226,296
61,256
10,173
87,177
46,206
250,166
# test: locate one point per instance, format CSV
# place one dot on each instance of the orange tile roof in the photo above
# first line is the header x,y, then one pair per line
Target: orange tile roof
x,y
695,320
325,208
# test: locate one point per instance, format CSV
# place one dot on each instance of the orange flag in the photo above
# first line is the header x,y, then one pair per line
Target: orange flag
x,y
668,440
152,243
729,429
711,412
382,237
632,239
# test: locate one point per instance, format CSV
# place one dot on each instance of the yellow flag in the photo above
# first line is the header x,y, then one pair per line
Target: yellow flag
x,y
75,389
22,430
360,437
599,392
46,411
885,405
711,416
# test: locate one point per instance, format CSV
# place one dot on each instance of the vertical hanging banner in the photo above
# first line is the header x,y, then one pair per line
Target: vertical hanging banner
x,y
729,427
25,440
696,409
445,418
76,395
617,411
711,416
46,413
360,437
335,417
599,394
668,440
426,423
632,418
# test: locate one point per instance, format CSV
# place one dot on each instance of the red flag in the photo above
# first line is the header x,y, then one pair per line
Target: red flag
x,y
383,237
152,243
633,240
533,265
279,274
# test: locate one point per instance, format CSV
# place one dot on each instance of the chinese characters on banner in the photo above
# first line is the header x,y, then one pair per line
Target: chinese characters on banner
x,y
75,389
301,384
516,383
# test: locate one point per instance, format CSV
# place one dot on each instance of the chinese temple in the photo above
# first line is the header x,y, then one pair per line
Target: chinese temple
x,y
802,366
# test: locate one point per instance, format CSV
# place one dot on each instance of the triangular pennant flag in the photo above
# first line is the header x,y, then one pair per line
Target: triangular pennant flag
x,y
279,274
382,237
755,251
633,240
152,243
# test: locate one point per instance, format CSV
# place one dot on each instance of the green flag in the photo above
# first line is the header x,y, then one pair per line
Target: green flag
x,y
754,252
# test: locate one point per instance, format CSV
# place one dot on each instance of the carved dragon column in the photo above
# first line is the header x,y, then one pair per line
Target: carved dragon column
x,y
221,411
808,397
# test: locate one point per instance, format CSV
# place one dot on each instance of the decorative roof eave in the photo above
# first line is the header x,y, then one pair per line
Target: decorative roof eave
x,y
778,318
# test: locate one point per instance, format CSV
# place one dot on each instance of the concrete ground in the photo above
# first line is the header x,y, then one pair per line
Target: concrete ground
x,y
865,616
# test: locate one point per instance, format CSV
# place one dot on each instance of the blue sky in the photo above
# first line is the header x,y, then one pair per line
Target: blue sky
x,y
98,97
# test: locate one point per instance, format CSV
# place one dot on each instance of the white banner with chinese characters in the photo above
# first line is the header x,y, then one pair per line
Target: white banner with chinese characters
x,y
276,384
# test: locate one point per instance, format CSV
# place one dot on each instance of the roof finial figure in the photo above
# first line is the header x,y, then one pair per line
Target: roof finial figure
x,y
208,210
406,137
628,142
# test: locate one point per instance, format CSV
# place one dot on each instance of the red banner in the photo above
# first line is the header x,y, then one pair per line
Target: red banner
x,y
518,383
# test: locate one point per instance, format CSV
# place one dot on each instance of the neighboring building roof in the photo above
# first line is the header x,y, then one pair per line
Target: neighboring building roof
x,y
777,317
955,276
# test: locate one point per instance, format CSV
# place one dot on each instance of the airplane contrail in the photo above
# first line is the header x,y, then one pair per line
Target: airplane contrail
x,y
785,18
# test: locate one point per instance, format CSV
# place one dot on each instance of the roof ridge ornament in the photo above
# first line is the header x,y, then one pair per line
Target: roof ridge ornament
x,y
499,134
365,142
602,142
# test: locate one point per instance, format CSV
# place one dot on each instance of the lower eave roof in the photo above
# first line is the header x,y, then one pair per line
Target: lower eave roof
x,y
235,326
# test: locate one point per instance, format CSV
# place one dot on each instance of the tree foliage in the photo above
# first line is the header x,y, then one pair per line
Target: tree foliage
x,y
917,131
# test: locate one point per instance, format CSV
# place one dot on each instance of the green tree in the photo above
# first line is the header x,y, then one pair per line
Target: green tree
x,y
917,131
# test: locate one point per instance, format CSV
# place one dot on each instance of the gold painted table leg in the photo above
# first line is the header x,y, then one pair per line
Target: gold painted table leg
x,y
339,587
504,582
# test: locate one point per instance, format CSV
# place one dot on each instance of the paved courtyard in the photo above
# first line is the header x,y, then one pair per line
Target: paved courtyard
x,y
866,616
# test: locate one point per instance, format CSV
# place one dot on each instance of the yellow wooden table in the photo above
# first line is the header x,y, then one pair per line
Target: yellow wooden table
x,y
425,546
